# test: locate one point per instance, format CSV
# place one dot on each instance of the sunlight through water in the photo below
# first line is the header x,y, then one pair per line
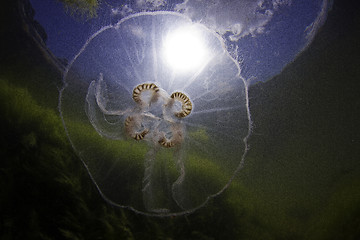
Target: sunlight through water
x,y
184,49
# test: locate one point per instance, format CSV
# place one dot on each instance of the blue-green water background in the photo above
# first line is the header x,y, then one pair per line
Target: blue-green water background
x,y
301,177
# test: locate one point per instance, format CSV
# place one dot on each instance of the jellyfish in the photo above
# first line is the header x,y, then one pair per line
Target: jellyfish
x,y
157,111
156,103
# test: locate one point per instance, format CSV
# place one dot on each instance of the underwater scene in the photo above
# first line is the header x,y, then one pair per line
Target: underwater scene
x,y
180,119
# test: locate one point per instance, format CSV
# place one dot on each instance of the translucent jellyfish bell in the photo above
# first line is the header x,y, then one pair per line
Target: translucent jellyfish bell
x,y
157,138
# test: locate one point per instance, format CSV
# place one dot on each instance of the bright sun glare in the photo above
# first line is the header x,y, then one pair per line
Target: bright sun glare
x,y
184,49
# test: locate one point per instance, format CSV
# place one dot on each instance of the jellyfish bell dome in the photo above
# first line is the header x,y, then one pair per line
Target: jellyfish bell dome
x,y
156,109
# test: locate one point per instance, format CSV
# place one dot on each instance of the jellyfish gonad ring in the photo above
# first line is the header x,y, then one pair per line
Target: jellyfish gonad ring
x,y
186,105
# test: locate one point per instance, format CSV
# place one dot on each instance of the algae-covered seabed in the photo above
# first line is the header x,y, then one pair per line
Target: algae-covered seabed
x,y
301,178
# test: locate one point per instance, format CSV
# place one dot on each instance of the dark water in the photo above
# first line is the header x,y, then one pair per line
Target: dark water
x,y
301,179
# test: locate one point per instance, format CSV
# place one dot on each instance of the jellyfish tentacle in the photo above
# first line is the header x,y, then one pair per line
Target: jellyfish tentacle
x,y
186,105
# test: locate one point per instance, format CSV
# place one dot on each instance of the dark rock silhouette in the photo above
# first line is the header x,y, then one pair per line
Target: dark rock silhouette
x,y
22,35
